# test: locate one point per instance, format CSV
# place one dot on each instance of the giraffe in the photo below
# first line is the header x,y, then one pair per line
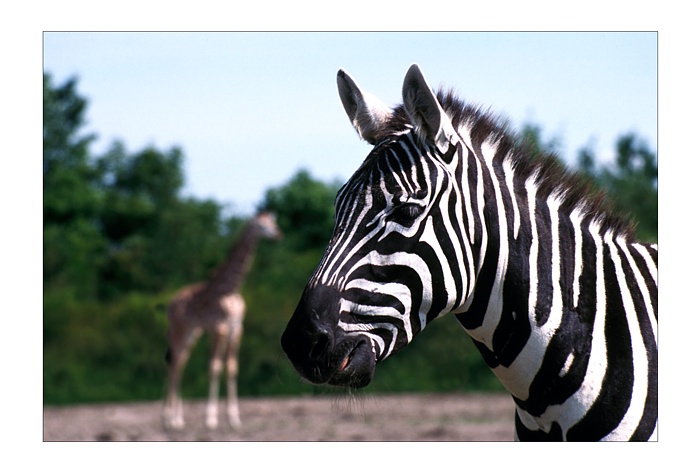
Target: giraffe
x,y
215,306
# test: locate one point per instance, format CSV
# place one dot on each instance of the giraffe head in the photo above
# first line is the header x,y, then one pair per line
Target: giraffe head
x,y
265,225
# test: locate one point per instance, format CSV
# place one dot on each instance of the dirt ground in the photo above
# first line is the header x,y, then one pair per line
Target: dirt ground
x,y
453,417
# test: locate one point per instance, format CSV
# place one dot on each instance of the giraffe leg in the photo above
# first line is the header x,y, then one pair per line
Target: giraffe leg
x,y
234,416
173,415
170,419
218,344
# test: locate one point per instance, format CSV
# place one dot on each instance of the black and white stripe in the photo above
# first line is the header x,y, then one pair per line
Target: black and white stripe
x,y
448,214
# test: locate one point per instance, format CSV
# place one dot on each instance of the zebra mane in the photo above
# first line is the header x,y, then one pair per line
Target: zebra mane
x,y
576,191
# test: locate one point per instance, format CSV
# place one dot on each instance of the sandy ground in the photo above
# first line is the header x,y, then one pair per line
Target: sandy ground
x,y
454,417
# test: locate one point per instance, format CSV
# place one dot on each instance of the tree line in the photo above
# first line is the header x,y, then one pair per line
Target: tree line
x,y
119,238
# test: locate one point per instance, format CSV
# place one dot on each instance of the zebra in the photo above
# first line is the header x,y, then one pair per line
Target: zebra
x,y
450,213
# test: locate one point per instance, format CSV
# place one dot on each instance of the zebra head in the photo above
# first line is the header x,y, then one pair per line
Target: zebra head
x,y
384,275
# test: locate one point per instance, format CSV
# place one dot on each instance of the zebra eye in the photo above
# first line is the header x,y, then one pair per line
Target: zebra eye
x,y
406,213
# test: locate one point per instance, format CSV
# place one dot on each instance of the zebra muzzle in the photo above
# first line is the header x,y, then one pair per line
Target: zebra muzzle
x,y
356,367
320,350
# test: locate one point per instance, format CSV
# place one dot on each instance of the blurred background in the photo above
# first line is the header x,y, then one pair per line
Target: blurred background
x,y
159,146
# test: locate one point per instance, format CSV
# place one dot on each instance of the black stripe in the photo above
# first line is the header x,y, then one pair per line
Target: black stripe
x,y
473,213
587,297
543,306
567,262
370,298
513,329
524,434
449,247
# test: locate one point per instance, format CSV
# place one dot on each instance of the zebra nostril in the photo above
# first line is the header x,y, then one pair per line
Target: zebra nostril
x,y
319,346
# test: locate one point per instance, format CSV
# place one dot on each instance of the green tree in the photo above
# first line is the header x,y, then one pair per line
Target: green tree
x,y
72,241
156,238
117,223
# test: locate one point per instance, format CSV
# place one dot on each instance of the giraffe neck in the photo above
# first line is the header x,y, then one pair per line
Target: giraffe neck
x,y
229,277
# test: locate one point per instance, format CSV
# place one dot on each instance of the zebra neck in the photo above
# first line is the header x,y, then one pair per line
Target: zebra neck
x,y
536,286
521,236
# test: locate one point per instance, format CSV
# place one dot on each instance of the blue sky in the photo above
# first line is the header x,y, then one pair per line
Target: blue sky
x,y
250,109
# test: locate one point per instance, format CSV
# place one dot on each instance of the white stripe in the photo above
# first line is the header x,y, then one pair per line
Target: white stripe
x,y
510,173
531,195
576,221
555,314
567,364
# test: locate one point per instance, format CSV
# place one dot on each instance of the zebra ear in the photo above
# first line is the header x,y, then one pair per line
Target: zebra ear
x,y
425,111
366,112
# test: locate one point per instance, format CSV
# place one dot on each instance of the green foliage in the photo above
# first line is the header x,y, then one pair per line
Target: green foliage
x,y
531,137
631,180
64,116
72,241
304,209
119,239
95,351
